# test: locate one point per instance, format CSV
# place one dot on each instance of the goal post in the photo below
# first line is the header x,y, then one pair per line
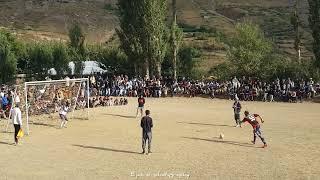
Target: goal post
x,y
44,96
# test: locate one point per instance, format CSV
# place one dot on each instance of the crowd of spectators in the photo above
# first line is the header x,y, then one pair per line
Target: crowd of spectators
x,y
246,89
112,91
49,98
6,94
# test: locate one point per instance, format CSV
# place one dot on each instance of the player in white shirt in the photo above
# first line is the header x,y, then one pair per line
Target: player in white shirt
x,y
63,114
17,121
17,99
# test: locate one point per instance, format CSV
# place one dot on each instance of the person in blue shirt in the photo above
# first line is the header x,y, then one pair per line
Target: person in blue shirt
x,y
5,102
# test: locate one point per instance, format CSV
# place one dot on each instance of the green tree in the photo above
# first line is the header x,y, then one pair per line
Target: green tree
x,y
222,71
19,49
130,15
314,21
295,21
77,38
176,38
41,58
77,59
143,32
77,50
60,58
154,32
8,61
117,62
248,49
187,60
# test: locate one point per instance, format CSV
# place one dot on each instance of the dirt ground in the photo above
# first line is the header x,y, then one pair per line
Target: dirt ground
x,y
185,144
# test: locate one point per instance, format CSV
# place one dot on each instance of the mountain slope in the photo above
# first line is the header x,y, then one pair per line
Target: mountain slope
x,y
49,19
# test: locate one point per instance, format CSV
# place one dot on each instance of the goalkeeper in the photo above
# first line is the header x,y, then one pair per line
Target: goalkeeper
x,y
63,114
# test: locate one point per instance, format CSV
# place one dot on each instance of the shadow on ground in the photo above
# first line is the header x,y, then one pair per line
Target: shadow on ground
x,y
6,143
122,116
205,124
80,118
216,140
105,149
43,124
7,132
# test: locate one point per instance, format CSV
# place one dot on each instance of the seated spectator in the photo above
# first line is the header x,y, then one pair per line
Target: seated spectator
x,y
121,102
2,113
116,102
293,96
125,101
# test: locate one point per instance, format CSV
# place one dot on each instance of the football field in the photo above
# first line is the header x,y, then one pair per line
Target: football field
x,y
185,144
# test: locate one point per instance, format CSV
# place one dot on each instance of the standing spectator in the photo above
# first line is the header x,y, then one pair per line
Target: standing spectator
x,y
146,125
300,94
67,81
271,95
2,92
310,82
5,102
17,122
235,83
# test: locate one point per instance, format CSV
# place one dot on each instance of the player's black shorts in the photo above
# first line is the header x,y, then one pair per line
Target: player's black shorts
x,y
236,116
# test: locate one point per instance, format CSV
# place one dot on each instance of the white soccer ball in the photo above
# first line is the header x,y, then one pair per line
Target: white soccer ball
x,y
221,136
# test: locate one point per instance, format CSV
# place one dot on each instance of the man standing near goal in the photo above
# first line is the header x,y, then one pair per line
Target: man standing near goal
x,y
146,125
252,119
17,122
141,102
63,114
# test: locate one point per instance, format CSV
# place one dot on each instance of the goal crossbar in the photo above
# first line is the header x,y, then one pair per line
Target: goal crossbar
x,y
56,81
35,83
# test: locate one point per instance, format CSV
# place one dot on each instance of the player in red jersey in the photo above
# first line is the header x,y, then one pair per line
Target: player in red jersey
x,y
141,102
252,119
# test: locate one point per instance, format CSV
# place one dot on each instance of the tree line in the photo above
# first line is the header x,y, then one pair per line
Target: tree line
x,y
250,53
144,37
35,59
152,44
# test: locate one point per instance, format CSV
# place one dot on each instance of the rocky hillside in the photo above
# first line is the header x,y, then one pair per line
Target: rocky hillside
x,y
49,19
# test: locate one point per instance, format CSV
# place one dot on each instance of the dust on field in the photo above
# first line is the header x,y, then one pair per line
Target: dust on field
x,y
185,144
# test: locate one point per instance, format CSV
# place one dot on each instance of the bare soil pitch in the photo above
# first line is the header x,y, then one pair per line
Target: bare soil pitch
x,y
185,143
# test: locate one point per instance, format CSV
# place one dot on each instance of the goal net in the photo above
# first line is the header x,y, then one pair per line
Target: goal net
x,y
43,100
